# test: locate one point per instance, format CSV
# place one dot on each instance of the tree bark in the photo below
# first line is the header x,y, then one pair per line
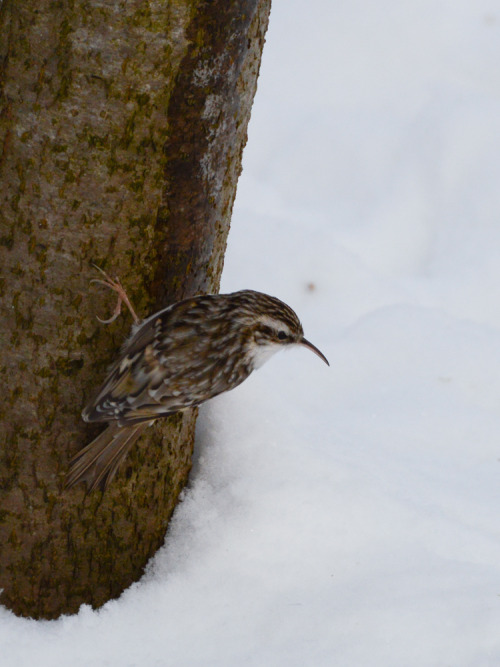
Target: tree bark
x,y
122,126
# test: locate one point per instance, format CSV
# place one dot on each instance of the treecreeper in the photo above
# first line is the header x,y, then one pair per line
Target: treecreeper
x,y
177,359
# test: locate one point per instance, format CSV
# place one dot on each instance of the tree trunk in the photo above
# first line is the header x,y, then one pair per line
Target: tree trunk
x,y
121,131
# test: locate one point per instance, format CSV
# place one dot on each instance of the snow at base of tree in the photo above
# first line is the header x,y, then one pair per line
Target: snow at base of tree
x,y
349,515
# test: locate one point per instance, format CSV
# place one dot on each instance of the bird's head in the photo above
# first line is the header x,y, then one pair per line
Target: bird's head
x,y
273,326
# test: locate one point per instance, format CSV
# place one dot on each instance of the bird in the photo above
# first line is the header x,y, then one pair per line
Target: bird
x,y
177,359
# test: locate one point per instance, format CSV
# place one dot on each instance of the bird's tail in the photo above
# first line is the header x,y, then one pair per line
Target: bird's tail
x,y
97,463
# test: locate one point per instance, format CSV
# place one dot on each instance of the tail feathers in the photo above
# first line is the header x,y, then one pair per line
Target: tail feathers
x,y
97,463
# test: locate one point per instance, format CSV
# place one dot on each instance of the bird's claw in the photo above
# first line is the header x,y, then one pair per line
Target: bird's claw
x,y
117,287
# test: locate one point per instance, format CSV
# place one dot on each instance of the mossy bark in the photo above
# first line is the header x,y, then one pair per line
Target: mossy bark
x,y
121,131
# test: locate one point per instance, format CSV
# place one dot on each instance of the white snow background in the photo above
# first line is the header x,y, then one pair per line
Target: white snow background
x,y
345,516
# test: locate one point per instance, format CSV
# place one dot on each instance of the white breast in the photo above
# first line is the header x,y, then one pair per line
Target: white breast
x,y
261,353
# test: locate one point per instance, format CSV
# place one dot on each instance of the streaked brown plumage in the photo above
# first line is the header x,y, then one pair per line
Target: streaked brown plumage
x,y
176,359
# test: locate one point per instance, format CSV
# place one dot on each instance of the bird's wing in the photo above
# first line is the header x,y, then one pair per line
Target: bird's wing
x,y
171,362
130,394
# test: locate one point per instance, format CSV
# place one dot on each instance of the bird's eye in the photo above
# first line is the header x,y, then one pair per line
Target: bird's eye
x,y
282,335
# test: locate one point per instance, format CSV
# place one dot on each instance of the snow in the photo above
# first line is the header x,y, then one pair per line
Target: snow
x,y
348,515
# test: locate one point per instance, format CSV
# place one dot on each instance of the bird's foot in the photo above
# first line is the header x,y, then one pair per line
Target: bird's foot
x,y
117,287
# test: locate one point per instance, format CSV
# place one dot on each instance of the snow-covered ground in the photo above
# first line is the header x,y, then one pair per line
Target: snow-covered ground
x,y
345,516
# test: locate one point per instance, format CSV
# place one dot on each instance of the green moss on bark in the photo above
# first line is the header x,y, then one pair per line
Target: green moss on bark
x,y
120,144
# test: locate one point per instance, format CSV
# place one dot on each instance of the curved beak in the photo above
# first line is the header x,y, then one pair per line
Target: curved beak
x,y
314,349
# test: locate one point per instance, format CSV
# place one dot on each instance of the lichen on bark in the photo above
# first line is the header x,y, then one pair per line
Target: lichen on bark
x,y
121,131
